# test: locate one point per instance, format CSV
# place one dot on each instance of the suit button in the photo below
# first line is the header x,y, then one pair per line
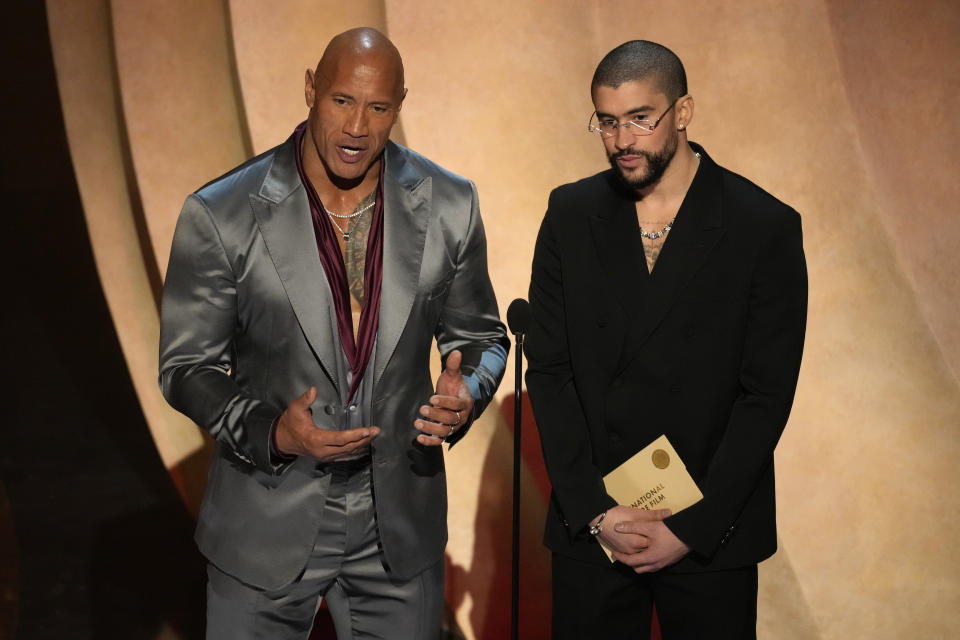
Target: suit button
x,y
618,382
691,332
352,408
676,388
601,322
329,410
614,437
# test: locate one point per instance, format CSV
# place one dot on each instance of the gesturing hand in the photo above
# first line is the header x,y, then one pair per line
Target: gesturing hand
x,y
297,434
450,407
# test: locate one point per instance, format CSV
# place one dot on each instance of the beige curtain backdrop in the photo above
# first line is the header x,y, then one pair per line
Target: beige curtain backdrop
x,y
844,110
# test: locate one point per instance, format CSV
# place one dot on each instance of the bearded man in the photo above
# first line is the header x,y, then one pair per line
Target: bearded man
x,y
669,297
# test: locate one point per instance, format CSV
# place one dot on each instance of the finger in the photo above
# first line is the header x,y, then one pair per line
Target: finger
x,y
661,514
452,417
649,566
638,561
635,527
346,437
435,429
452,365
430,441
348,452
450,403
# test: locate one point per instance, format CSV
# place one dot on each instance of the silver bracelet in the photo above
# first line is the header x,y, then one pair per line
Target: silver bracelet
x,y
595,529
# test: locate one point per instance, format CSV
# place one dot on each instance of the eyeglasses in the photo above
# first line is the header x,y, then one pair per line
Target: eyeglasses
x,y
639,126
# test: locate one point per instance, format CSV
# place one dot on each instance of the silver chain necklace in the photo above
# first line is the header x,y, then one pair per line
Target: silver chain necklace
x,y
333,215
347,217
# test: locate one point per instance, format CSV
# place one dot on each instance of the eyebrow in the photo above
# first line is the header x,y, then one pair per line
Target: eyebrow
x,y
631,112
347,96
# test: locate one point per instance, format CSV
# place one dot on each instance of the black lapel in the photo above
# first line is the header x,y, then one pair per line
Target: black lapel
x,y
689,243
613,224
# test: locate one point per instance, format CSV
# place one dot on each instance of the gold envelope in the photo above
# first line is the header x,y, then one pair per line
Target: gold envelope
x,y
654,478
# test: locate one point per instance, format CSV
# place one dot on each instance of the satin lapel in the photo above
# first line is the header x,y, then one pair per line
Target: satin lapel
x,y
406,215
283,215
613,226
689,244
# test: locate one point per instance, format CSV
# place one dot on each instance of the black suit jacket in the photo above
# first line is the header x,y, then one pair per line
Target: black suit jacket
x,y
705,350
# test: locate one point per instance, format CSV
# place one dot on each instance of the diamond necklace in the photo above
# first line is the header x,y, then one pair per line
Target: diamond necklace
x,y
657,234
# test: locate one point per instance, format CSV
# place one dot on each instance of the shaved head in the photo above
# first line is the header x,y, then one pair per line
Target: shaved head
x,y
640,60
354,96
363,45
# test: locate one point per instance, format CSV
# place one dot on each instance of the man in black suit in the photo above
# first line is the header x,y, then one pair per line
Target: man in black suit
x,y
669,297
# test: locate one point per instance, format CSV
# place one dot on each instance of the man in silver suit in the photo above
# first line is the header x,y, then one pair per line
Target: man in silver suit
x,y
304,290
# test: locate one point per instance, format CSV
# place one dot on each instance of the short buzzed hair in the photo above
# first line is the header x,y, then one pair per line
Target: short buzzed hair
x,y
642,60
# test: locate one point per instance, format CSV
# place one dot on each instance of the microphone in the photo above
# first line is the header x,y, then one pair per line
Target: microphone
x,y
518,316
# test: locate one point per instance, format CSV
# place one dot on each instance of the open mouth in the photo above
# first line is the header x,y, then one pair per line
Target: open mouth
x,y
349,153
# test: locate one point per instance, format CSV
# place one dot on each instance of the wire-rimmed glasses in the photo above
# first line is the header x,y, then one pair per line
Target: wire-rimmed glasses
x,y
638,126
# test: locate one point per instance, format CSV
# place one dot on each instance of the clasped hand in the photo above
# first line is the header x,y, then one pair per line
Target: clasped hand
x,y
639,539
450,407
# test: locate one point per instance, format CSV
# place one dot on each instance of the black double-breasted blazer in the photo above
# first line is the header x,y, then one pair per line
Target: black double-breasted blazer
x,y
706,350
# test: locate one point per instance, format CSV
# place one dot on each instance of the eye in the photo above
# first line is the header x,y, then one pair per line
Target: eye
x,y
339,101
607,122
640,120
379,109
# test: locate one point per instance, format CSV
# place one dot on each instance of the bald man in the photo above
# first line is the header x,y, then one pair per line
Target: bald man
x,y
304,290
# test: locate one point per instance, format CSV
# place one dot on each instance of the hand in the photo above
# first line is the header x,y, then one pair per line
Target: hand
x,y
297,434
662,547
626,542
449,408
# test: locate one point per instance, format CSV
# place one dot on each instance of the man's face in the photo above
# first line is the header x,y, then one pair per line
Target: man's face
x,y
354,102
639,161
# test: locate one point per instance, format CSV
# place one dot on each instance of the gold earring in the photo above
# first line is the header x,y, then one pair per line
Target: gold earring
x,y
682,127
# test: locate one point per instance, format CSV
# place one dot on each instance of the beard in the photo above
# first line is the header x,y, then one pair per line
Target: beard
x,y
656,164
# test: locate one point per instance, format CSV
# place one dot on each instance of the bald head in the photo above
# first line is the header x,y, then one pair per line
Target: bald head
x,y
362,46
354,96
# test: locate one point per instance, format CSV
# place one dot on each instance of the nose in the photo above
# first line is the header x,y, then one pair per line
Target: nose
x,y
622,138
356,123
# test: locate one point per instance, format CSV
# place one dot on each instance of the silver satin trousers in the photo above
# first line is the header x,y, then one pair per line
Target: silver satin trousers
x,y
346,567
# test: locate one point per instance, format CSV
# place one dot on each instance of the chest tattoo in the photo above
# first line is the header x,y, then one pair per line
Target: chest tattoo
x,y
355,250
651,250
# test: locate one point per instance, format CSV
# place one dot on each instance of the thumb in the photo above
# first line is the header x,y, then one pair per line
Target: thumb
x,y
452,366
306,398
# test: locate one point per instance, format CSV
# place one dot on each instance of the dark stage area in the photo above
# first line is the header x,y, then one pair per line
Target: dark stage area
x,y
94,540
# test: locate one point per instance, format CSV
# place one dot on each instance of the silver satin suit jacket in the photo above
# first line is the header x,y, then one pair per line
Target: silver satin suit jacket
x,y
248,324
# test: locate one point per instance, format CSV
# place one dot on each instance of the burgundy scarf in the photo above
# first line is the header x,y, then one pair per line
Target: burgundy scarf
x,y
358,353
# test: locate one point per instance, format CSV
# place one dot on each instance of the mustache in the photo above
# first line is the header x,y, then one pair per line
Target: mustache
x,y
630,151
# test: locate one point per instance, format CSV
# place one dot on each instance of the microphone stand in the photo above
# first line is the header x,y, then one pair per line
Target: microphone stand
x,y
517,418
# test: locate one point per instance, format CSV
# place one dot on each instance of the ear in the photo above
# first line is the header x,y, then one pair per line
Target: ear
x,y
309,94
402,96
684,112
